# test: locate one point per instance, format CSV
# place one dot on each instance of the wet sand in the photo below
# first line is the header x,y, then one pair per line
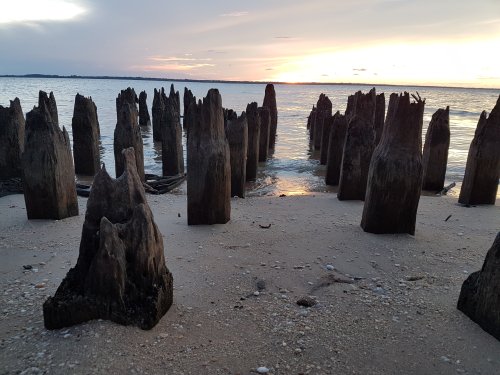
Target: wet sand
x,y
394,313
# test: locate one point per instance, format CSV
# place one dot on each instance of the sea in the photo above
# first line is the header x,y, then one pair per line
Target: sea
x,y
293,168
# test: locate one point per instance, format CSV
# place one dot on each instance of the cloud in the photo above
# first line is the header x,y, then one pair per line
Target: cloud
x,y
234,14
31,11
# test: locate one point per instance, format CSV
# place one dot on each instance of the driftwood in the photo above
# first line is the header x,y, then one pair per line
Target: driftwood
x,y
85,126
435,156
379,117
11,140
237,137
120,274
265,128
144,119
323,112
209,169
480,294
127,132
49,175
171,135
270,102
335,149
358,147
253,120
395,177
482,171
446,189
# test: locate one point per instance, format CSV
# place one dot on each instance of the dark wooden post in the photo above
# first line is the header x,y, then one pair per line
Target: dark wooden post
x,y
158,112
237,137
312,121
85,126
50,102
253,120
325,139
335,149
323,112
270,102
479,296
127,132
358,147
395,177
144,119
482,171
209,169
120,274
379,117
435,156
49,175
171,138
11,140
265,128
189,99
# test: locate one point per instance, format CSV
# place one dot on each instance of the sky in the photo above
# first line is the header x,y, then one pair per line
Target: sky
x,y
427,42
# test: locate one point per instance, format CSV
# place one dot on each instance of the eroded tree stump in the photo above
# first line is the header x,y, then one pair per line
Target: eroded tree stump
x,y
237,137
189,100
323,113
395,177
121,273
158,113
335,149
270,102
480,294
325,139
253,120
379,117
12,126
435,156
358,147
171,138
49,175
144,119
311,121
482,171
85,126
209,169
265,128
127,132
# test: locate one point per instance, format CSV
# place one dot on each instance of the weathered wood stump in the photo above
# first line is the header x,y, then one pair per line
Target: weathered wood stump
x,y
335,149
171,138
323,113
311,121
121,273
85,126
482,171
379,117
49,175
253,120
237,137
189,100
127,132
209,169
325,140
435,156
395,177
270,102
480,294
144,119
358,147
265,128
158,113
50,102
11,140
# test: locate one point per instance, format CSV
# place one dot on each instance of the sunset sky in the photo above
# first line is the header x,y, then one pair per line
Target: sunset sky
x,y
440,42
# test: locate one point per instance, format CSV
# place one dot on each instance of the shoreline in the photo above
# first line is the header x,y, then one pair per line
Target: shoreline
x,y
397,314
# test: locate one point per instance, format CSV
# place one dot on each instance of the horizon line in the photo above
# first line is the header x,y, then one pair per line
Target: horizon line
x,y
140,78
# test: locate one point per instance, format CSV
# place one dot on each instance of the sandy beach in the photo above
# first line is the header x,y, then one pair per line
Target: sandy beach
x,y
386,304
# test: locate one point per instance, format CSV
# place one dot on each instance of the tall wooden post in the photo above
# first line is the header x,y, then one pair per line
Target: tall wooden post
x,y
253,120
12,126
237,137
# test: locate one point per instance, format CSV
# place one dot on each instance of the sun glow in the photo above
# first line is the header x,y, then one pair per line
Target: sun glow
x,y
26,11
466,63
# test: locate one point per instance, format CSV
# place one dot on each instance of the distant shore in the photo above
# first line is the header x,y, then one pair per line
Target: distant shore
x,y
126,78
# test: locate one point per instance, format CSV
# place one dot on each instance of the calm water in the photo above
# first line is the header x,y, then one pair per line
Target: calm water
x,y
292,168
